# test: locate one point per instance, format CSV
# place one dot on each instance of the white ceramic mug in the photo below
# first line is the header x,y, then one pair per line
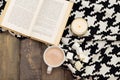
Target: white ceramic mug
x,y
54,57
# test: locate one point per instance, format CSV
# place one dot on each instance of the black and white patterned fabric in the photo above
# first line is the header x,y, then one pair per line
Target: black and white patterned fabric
x,y
102,17
104,60
101,43
2,5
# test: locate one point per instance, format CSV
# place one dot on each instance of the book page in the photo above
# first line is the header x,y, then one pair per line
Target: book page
x,y
48,20
20,14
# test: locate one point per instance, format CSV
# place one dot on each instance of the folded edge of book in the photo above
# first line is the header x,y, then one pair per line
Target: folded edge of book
x,y
67,14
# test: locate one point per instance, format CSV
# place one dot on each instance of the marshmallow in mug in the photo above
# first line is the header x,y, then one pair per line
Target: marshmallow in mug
x,y
79,26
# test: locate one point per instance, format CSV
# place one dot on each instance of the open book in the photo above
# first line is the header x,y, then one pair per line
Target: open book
x,y
42,20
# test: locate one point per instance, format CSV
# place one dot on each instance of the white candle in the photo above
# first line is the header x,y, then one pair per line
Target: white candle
x,y
79,26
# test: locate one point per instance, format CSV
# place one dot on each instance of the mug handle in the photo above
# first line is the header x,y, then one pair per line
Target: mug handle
x,y
49,70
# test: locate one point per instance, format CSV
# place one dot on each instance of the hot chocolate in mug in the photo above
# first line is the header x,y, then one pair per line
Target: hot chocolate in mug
x,y
54,57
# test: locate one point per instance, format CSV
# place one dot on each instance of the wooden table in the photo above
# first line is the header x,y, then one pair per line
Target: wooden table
x,y
23,60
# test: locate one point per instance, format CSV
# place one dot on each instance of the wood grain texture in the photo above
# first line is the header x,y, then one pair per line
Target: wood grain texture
x,y
30,64
23,60
9,57
68,75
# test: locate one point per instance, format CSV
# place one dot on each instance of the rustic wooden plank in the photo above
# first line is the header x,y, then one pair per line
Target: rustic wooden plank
x,y
57,73
68,75
9,57
30,65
